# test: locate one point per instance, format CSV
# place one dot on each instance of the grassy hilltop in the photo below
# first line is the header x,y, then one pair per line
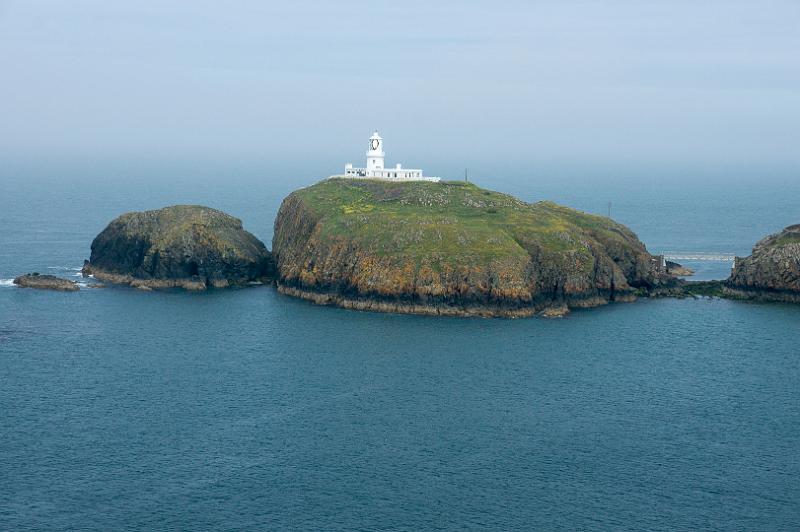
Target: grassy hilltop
x,y
453,221
450,246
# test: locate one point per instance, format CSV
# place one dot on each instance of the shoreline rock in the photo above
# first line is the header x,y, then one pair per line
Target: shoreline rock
x,y
673,268
190,284
550,309
46,282
771,272
763,295
401,307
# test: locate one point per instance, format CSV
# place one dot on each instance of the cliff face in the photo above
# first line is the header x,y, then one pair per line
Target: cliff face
x,y
451,248
186,246
772,271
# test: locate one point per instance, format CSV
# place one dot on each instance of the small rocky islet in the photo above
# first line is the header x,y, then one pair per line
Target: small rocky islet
x,y
447,248
183,246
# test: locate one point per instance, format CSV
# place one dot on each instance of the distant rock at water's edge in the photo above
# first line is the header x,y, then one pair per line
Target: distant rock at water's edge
x,y
46,282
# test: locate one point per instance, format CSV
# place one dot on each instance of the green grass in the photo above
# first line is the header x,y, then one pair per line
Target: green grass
x,y
209,227
704,288
456,222
787,238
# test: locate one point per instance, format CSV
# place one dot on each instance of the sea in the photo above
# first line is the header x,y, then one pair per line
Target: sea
x,y
245,409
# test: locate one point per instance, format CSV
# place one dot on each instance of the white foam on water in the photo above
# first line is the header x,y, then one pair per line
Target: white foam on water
x,y
70,270
699,255
65,268
7,282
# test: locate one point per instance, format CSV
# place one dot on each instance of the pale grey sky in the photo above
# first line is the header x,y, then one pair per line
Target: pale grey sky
x,y
513,82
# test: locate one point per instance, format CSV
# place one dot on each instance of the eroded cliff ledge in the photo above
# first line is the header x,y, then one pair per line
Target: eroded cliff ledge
x,y
771,272
184,246
452,248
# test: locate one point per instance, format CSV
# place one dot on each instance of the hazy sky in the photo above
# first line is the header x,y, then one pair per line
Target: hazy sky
x,y
513,82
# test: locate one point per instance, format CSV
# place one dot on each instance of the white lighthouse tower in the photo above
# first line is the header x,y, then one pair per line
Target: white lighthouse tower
x,y
375,152
375,168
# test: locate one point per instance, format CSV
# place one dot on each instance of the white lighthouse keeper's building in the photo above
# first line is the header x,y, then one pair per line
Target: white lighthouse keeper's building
x,y
375,168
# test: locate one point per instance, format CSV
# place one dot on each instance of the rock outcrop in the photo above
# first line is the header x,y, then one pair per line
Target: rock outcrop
x,y
46,282
452,248
771,272
184,246
673,268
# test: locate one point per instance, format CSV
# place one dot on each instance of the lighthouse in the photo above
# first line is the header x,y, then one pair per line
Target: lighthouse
x,y
375,166
375,152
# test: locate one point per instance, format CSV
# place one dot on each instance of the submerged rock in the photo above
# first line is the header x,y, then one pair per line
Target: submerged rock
x,y
185,246
452,248
46,282
771,272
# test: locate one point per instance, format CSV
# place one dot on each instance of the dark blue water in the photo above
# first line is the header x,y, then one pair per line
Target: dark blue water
x,y
246,409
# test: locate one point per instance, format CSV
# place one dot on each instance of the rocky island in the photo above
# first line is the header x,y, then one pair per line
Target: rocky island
x,y
184,246
452,248
771,272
